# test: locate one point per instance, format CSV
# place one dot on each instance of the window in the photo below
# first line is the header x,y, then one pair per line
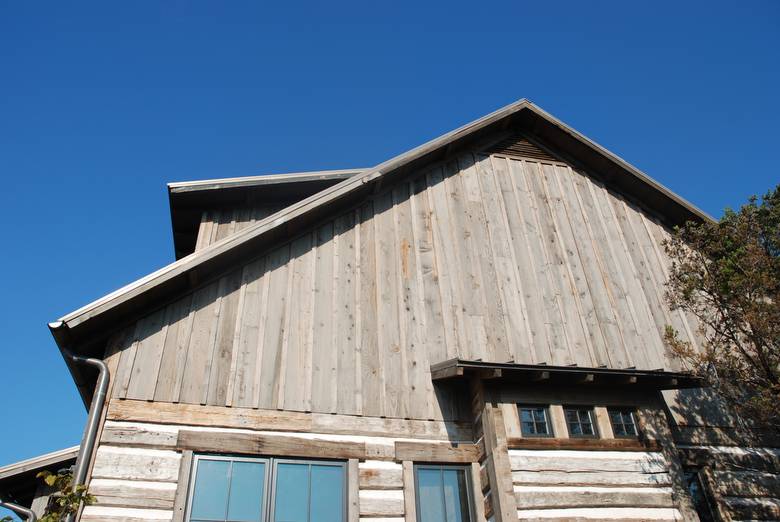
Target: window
x,y
237,489
698,495
534,421
623,423
443,493
580,422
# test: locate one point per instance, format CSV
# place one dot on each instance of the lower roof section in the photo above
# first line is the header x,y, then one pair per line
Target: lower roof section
x,y
18,481
564,375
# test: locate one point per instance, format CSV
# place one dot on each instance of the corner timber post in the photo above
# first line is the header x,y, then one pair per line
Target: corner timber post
x,y
490,421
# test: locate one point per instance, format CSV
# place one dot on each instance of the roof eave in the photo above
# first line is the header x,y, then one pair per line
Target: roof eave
x,y
538,374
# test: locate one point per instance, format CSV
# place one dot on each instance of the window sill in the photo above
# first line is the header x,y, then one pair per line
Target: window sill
x,y
584,444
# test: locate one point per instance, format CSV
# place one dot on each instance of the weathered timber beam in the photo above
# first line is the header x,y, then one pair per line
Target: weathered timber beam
x,y
434,452
446,373
274,420
253,444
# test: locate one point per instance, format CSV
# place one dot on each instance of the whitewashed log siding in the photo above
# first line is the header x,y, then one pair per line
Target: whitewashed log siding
x,y
137,469
563,484
484,257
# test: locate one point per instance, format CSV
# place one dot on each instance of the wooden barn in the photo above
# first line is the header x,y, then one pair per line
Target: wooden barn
x,y
468,332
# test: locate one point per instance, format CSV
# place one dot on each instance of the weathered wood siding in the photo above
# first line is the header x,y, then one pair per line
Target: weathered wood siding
x,y
484,257
219,223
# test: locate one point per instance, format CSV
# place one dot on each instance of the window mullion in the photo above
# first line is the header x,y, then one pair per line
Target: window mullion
x,y
230,484
443,501
308,496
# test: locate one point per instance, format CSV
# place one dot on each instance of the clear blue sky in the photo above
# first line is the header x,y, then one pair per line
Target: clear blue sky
x,y
102,103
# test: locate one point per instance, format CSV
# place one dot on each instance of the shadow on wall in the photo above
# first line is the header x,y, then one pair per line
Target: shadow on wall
x,y
731,472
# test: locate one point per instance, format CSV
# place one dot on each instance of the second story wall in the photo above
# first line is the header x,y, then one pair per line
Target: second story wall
x,y
487,257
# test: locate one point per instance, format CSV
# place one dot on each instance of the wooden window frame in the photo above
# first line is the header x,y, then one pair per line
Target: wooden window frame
x,y
547,421
467,472
622,410
591,417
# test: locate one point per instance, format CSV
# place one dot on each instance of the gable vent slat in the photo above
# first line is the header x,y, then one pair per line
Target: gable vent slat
x,y
519,147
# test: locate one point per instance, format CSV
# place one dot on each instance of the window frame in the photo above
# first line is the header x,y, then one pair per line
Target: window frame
x,y
622,410
591,416
268,503
547,420
469,486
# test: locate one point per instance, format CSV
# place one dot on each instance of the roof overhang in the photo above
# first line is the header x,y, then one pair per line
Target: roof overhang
x,y
86,329
563,375
188,199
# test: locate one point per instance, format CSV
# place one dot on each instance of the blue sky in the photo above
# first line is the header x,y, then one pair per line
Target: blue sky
x,y
103,103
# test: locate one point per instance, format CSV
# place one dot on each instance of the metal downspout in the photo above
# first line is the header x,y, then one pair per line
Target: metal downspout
x,y
93,419
22,511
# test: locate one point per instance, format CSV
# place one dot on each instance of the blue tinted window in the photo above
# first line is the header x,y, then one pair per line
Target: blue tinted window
x,y
246,491
309,492
237,490
430,495
292,493
210,494
327,493
442,494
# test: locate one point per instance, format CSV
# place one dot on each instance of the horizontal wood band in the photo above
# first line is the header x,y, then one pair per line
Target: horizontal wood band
x,y
422,452
271,445
584,444
274,420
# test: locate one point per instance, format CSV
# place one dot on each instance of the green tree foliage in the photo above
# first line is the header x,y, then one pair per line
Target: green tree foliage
x,y
65,500
727,274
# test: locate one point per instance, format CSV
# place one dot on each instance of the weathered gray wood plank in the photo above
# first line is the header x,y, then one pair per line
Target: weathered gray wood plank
x,y
345,335
297,368
389,342
205,303
270,358
372,387
324,364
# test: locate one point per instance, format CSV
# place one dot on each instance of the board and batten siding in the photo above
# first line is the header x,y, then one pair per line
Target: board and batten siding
x,y
219,223
483,257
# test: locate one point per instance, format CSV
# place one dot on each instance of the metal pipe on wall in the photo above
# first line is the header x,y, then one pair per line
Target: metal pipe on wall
x,y
87,446
22,511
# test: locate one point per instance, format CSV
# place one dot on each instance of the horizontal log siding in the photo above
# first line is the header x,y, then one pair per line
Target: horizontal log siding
x,y
484,257
743,483
138,468
600,482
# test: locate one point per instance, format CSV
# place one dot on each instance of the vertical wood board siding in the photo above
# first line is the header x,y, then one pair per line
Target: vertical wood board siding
x,y
482,257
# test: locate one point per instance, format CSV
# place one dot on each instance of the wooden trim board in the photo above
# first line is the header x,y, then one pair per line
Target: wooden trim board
x,y
432,452
182,487
279,445
584,444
